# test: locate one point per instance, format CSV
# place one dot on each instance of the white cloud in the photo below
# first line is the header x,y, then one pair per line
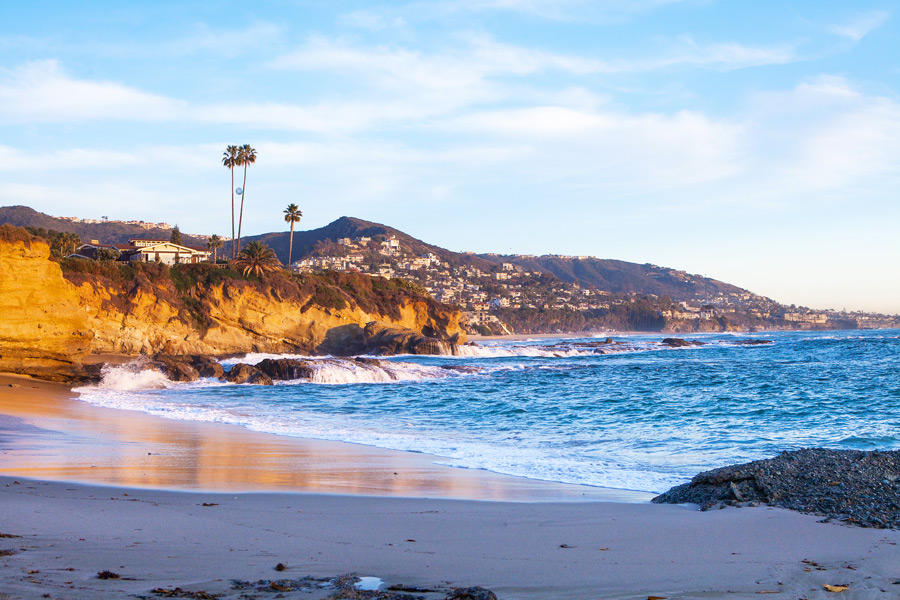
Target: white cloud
x,y
596,11
41,92
372,20
861,25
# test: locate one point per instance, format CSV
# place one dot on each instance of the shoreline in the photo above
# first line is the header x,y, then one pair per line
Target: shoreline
x,y
48,434
326,509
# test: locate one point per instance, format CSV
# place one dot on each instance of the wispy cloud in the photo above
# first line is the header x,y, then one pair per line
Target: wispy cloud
x,y
860,26
41,92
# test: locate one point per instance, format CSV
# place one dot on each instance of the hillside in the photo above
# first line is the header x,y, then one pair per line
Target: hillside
x,y
614,276
617,276
110,232
306,242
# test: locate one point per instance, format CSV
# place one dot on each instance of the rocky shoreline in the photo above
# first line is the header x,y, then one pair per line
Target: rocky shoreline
x,y
851,486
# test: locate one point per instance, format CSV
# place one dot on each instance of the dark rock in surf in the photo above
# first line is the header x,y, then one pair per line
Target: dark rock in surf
x,y
207,367
853,486
680,343
285,369
176,368
241,373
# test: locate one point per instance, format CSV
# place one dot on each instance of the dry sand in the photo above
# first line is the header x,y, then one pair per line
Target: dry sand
x,y
521,550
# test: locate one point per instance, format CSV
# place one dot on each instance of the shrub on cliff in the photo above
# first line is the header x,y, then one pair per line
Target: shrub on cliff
x,y
11,233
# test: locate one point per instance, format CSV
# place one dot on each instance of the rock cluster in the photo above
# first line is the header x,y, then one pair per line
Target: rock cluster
x,y
853,486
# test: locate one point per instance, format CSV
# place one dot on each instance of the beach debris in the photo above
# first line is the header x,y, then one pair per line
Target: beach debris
x,y
281,586
413,589
657,598
180,593
471,593
107,575
565,546
8,552
210,504
835,589
9,535
280,567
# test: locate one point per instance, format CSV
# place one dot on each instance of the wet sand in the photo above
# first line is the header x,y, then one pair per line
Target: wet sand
x,y
202,540
46,434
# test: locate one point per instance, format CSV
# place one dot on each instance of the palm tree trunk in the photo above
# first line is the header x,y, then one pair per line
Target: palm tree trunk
x,y
241,217
232,212
291,246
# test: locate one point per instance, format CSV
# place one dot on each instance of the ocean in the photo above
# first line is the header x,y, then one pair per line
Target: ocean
x,y
634,414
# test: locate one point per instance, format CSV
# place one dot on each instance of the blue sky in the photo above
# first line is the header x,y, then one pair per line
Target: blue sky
x,y
754,142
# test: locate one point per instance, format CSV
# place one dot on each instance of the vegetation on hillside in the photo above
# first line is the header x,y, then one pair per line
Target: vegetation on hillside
x,y
186,287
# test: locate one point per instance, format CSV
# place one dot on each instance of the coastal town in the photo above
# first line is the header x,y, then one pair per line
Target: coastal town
x,y
491,294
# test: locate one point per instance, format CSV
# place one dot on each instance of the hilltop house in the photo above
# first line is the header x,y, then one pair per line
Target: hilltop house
x,y
163,251
138,250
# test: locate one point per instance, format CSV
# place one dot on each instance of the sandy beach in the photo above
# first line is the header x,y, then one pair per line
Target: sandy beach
x,y
168,504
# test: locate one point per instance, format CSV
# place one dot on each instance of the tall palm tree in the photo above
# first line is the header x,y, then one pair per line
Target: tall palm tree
x,y
246,156
292,215
257,258
230,159
214,243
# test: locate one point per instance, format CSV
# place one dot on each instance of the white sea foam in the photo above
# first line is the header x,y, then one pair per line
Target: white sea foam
x,y
132,376
335,371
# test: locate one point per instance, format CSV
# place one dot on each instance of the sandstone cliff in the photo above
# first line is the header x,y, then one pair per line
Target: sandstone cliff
x,y
43,329
51,320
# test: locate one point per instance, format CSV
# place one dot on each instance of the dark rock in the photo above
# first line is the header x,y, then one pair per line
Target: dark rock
x,y
285,369
853,486
751,342
176,368
386,339
472,593
242,373
207,367
680,343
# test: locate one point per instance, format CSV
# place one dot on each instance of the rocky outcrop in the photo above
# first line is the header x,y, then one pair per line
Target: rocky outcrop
x,y
241,373
680,343
285,369
51,323
854,486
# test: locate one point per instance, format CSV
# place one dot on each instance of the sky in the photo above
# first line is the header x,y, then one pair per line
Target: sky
x,y
754,142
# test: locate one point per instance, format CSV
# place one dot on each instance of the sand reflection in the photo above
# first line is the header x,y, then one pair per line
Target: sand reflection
x,y
49,435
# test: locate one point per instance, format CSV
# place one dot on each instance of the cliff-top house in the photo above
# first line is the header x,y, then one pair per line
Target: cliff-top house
x,y
139,250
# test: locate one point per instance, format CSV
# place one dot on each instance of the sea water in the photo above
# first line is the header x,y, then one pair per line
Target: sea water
x,y
635,414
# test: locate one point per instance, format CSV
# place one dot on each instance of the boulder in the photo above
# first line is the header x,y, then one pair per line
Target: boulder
x,y
383,338
176,368
242,373
471,593
680,343
207,367
285,369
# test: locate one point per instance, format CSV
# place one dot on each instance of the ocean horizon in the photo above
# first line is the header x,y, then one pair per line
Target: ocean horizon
x,y
634,414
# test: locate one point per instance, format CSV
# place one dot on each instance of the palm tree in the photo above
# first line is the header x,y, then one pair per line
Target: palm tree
x,y
214,243
292,215
257,259
230,158
246,156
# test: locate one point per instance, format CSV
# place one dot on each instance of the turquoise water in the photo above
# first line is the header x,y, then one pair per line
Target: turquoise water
x,y
638,416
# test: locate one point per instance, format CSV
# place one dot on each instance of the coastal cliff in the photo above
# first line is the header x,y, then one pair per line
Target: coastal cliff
x,y
55,314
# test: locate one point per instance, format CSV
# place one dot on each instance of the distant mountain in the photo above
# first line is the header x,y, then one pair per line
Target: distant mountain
x,y
614,276
305,242
622,277
109,232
